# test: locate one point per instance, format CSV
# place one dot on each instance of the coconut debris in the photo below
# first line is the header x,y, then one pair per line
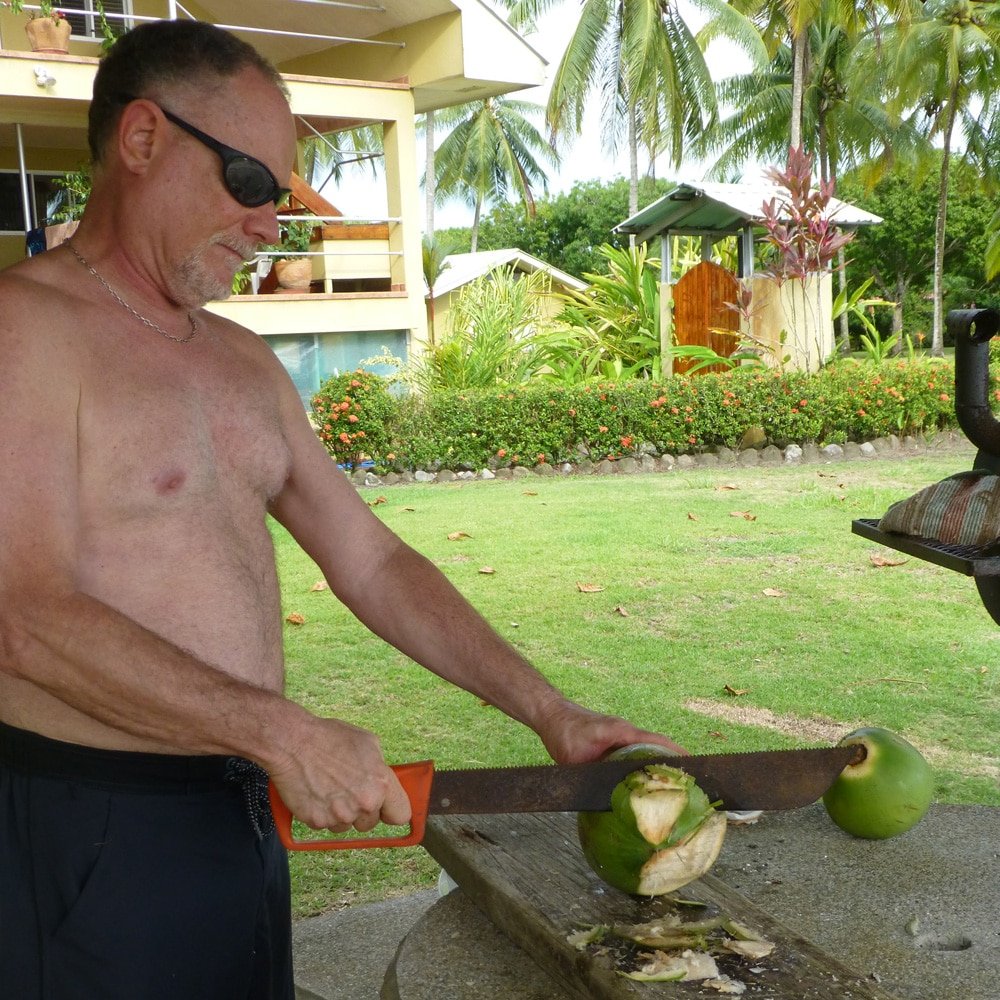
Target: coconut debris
x,y
683,951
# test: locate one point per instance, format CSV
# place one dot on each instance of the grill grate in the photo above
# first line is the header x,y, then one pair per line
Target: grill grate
x,y
972,560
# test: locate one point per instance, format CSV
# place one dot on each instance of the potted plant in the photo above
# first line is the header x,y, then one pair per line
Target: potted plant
x,y
47,28
291,268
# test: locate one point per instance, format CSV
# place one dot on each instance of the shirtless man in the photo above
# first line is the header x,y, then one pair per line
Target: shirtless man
x,y
144,441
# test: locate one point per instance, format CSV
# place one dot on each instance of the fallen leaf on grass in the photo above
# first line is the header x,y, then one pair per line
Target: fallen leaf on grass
x,y
529,493
745,514
457,536
735,692
377,501
589,588
487,570
878,560
773,592
621,611
319,585
410,509
296,619
727,486
717,734
693,517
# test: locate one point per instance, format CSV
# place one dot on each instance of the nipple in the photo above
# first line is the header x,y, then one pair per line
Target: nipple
x,y
169,482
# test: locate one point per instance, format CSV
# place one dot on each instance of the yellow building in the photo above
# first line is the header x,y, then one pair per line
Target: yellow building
x,y
460,269
364,62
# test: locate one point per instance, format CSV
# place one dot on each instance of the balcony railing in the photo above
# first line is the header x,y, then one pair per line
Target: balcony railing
x,y
176,11
349,255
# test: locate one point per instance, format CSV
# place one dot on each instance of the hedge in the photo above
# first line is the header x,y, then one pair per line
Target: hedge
x,y
545,422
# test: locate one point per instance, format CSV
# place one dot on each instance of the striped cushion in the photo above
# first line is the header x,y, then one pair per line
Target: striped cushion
x,y
963,509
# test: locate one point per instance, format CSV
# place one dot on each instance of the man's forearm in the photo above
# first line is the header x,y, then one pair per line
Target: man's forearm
x,y
412,605
110,668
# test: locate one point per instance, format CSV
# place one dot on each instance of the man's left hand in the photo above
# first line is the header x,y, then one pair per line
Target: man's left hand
x,y
575,735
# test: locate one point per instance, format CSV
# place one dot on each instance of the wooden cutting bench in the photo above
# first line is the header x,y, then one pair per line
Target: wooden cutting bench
x,y
524,887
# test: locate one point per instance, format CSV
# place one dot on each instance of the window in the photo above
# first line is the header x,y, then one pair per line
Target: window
x,y
310,359
87,24
46,198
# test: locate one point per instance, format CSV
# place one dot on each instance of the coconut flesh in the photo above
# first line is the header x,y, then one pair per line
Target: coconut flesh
x,y
660,834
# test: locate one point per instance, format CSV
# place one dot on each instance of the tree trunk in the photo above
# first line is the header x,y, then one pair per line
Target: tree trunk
x,y
937,335
474,238
823,148
843,324
430,316
430,182
633,167
897,309
826,171
799,42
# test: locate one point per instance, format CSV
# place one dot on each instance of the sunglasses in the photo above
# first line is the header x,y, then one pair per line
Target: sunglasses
x,y
247,179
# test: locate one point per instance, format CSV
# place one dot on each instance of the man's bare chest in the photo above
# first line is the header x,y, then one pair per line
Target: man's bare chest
x,y
160,434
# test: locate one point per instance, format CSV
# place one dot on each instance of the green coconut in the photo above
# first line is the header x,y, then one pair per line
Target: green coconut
x,y
661,831
886,793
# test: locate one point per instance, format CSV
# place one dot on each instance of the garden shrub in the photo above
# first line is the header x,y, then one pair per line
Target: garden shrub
x,y
540,421
355,417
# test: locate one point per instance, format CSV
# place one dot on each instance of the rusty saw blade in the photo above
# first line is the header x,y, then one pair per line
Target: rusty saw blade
x,y
767,779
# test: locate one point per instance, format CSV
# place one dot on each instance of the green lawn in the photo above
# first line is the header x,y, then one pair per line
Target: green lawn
x,y
715,581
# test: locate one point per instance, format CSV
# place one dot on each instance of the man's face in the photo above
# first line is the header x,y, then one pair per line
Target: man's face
x,y
216,233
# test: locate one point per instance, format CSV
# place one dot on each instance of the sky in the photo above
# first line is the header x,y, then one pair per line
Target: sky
x,y
583,160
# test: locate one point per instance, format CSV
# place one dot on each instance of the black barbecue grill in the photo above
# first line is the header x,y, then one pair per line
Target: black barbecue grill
x,y
971,330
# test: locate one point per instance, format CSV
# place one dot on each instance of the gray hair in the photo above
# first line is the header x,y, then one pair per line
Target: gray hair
x,y
164,52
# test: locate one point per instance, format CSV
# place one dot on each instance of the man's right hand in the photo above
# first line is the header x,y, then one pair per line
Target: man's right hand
x,y
336,778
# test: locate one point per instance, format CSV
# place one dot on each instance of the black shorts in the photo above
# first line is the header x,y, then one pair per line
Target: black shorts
x,y
129,876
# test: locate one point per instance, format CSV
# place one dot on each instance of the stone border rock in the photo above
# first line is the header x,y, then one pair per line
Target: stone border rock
x,y
648,461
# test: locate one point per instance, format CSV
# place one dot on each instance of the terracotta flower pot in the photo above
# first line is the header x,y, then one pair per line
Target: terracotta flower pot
x,y
295,274
48,34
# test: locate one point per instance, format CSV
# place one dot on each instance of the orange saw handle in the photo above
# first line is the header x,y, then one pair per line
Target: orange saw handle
x,y
416,780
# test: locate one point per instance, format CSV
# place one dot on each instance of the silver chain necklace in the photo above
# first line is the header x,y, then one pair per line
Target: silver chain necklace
x,y
138,315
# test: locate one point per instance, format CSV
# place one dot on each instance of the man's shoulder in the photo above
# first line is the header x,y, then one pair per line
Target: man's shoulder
x,y
247,343
38,282
38,309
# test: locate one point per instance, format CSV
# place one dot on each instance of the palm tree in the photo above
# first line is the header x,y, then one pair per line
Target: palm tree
x,y
789,23
434,253
945,64
648,68
844,125
325,156
491,152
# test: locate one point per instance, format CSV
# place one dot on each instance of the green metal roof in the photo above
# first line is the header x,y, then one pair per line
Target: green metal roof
x,y
706,207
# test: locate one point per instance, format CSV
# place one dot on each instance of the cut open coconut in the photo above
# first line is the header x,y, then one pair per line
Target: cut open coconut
x,y
660,834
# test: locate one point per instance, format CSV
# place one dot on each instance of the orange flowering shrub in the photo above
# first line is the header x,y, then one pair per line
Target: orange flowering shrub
x,y
539,421
354,416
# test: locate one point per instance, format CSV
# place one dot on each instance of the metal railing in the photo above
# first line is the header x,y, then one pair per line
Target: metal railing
x,y
173,7
263,258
